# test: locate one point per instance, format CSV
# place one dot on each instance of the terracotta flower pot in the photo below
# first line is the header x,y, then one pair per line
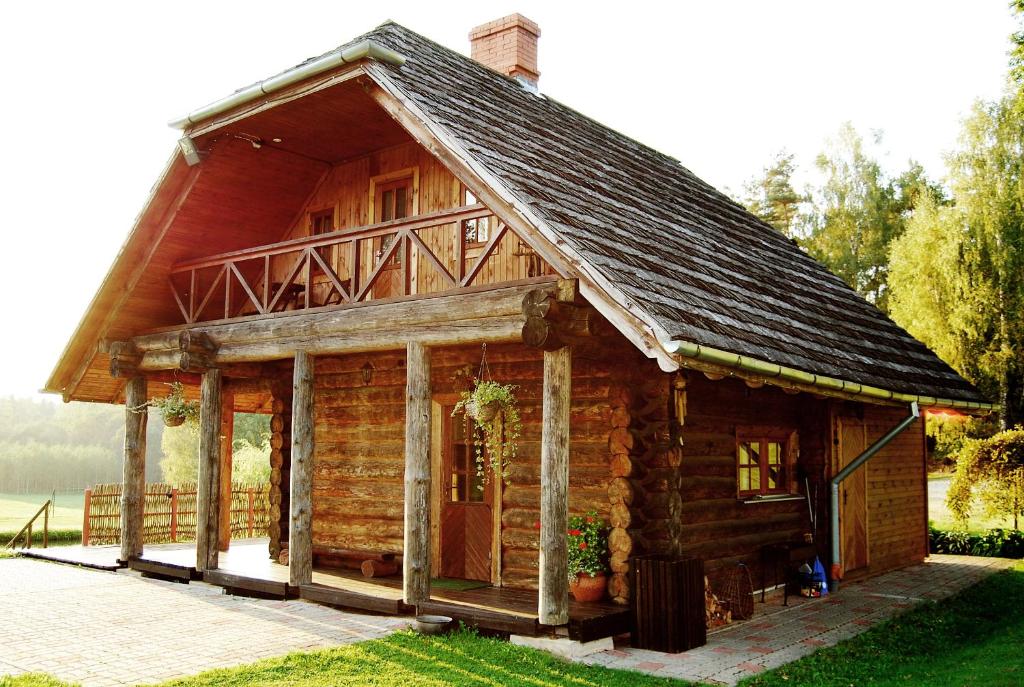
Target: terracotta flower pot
x,y
588,589
174,420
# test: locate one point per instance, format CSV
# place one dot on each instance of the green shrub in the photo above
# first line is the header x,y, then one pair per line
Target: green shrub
x,y
998,543
55,537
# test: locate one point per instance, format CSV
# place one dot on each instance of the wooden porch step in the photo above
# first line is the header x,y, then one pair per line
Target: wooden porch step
x,y
332,596
483,618
240,585
608,623
165,571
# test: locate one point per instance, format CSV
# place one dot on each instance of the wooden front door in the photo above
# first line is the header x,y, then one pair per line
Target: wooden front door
x,y
853,503
467,506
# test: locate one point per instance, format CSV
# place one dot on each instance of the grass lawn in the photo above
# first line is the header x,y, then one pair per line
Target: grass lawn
x,y
975,638
16,509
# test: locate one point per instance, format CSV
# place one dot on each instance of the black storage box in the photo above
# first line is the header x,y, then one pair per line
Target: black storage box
x,y
668,603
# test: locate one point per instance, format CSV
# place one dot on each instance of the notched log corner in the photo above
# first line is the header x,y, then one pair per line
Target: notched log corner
x,y
552,323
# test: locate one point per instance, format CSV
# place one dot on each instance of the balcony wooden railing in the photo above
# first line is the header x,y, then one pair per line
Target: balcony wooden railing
x,y
412,256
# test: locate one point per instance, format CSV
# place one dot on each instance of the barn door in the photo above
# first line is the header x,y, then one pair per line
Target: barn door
x,y
467,506
853,503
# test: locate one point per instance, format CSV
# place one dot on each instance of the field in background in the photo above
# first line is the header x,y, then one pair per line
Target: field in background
x,y
16,509
940,516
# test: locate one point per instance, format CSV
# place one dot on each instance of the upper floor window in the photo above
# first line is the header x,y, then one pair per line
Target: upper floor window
x,y
392,196
475,232
764,458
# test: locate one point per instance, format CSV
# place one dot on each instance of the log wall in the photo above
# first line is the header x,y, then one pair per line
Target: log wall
x,y
687,501
359,440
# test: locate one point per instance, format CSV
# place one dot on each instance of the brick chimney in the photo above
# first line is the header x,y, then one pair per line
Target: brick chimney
x,y
508,45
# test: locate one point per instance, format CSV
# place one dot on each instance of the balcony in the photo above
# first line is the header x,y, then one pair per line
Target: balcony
x,y
461,249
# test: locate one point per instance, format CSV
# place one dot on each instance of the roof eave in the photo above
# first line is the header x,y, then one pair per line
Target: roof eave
x,y
780,375
367,49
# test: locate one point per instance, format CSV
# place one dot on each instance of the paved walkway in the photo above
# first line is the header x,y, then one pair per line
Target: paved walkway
x,y
778,635
102,628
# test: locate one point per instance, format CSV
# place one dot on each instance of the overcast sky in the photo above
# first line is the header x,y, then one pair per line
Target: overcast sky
x,y
89,87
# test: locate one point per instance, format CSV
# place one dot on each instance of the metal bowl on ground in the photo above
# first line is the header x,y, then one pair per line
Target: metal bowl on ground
x,y
433,624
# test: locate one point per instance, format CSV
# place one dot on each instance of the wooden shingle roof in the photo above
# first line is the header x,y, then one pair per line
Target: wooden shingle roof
x,y
697,263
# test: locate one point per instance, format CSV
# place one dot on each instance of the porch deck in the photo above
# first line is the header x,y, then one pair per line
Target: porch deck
x,y
246,569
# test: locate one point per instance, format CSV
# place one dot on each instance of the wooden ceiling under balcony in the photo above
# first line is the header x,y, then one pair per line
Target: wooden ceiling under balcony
x,y
240,195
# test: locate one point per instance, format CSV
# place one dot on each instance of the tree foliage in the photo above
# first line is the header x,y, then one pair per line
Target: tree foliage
x,y
957,274
771,196
857,211
250,451
992,471
45,446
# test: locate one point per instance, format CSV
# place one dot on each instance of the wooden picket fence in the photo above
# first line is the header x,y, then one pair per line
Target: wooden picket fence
x,y
170,513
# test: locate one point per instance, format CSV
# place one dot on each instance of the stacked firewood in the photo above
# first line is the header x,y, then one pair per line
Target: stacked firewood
x,y
716,613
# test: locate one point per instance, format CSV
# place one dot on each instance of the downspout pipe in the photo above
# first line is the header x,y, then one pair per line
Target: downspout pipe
x,y
864,457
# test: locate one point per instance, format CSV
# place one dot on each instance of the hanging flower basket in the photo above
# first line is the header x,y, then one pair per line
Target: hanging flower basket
x,y
496,425
483,412
174,420
175,408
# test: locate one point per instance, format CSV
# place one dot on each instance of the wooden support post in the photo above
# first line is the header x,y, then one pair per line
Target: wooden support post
x,y
416,558
85,517
174,514
553,594
300,533
46,526
133,483
227,433
208,490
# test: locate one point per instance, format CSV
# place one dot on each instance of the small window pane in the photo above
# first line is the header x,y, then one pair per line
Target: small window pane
x,y
755,453
400,203
744,454
470,198
387,209
744,479
755,480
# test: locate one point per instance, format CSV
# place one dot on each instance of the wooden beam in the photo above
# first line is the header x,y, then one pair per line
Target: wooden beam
x,y
133,486
208,490
475,315
416,557
300,534
553,594
227,435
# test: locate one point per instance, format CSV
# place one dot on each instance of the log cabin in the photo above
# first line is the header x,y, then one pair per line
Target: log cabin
x,y
340,244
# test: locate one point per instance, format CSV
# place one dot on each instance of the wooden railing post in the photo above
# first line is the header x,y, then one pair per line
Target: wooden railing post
x,y
85,517
174,514
252,512
416,558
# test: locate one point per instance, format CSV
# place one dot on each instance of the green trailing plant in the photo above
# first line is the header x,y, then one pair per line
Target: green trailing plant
x,y
991,470
175,408
494,411
588,545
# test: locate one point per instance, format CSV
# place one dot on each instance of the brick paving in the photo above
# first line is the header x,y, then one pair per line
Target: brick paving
x,y
102,628
778,635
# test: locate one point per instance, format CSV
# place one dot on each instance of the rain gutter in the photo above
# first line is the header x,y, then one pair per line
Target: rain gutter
x,y
826,384
864,457
367,49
